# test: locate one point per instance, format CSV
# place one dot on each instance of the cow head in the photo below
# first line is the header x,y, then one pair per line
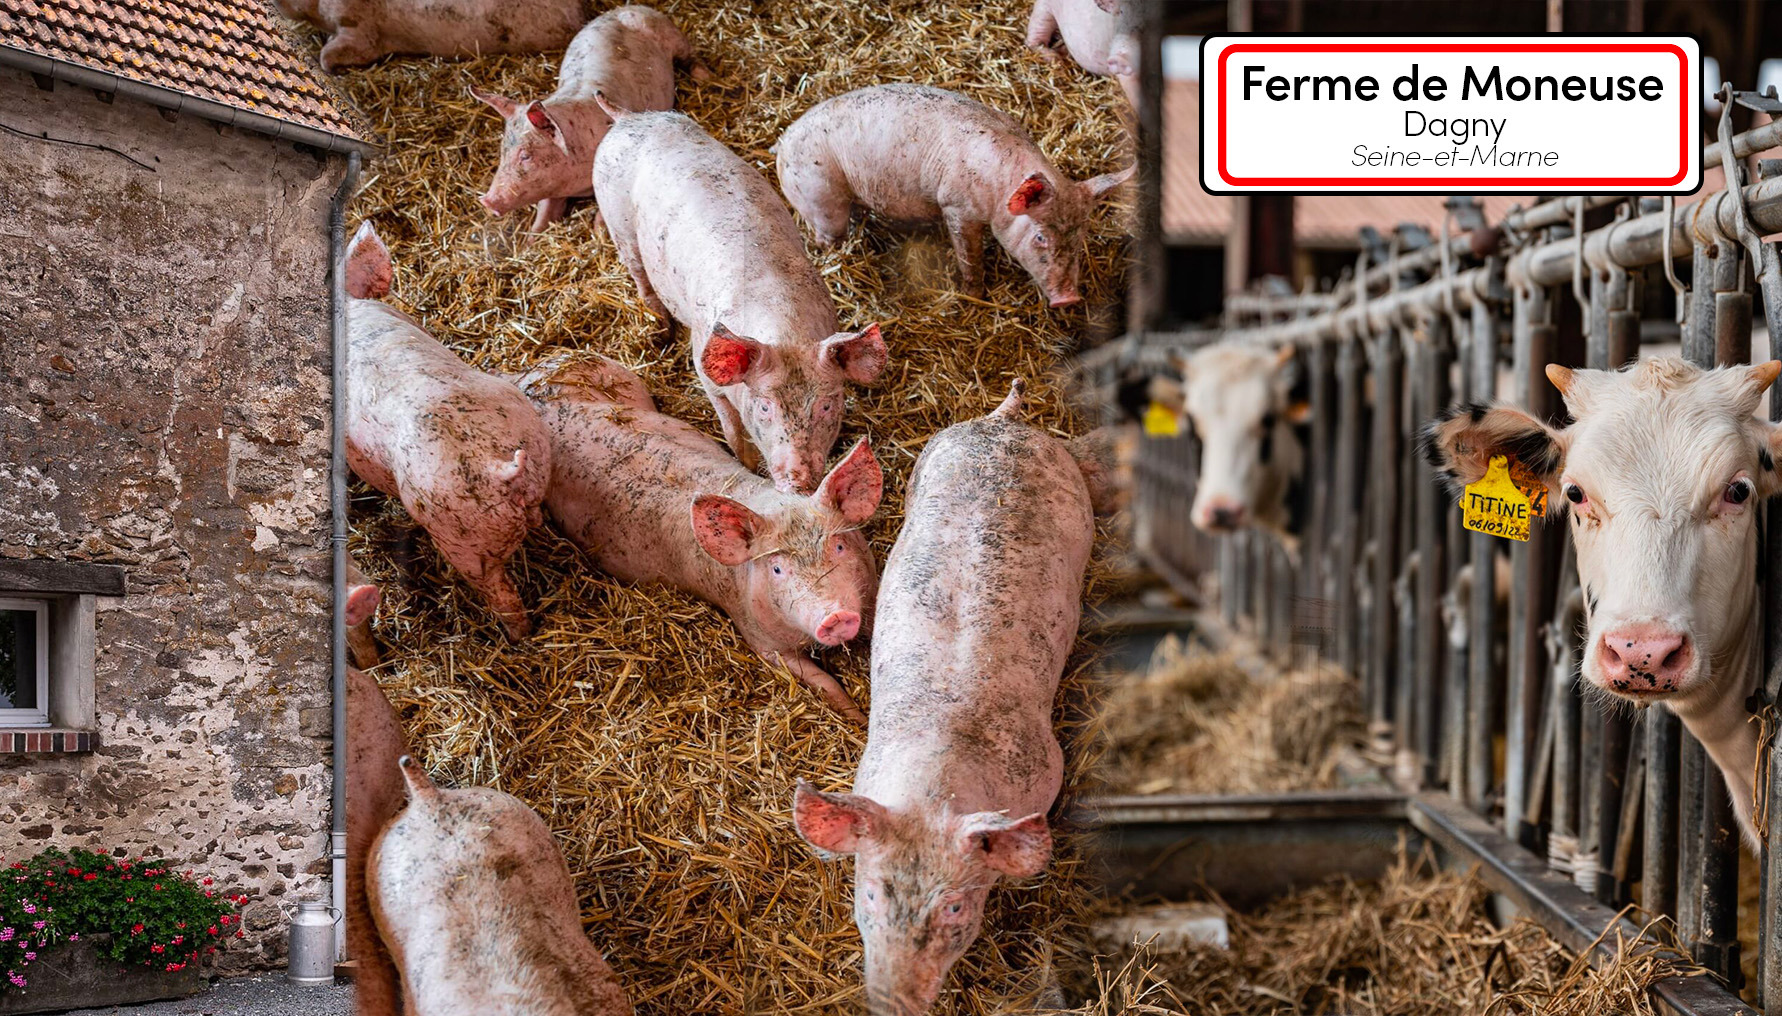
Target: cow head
x,y
1661,475
1240,401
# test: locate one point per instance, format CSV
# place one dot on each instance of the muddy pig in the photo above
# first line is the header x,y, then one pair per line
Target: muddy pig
x,y
374,796
362,600
654,500
711,245
463,451
977,615
1091,33
915,154
547,152
477,908
362,31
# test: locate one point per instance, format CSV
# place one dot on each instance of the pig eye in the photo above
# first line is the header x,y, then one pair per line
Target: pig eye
x,y
1738,491
776,569
1040,239
841,547
955,907
1574,493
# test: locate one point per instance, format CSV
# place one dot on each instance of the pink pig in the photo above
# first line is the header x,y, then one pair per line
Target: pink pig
x,y
912,153
374,795
472,897
654,500
711,245
547,153
977,615
463,451
362,31
1091,32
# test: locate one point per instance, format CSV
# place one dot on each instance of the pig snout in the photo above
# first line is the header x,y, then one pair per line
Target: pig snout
x,y
1065,299
1645,659
495,206
793,475
838,627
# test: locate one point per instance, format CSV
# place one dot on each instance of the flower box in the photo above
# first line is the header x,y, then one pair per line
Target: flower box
x,y
74,975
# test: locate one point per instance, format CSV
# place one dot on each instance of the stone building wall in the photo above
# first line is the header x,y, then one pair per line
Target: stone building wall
x,y
164,394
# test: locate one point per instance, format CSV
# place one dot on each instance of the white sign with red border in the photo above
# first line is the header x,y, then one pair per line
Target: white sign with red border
x,y
1450,114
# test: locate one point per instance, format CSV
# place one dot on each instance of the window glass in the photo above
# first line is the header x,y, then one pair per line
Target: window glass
x,y
19,678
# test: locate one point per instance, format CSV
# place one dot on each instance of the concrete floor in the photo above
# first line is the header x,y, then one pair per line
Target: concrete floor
x,y
266,995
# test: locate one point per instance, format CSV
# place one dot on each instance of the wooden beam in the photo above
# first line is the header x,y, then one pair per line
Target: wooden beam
x,y
61,577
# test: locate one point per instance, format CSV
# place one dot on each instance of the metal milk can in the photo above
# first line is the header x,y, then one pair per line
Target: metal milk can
x,y
312,943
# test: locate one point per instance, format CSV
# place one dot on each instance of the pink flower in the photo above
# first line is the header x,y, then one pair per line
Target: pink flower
x,y
30,956
38,925
30,908
74,937
18,980
6,934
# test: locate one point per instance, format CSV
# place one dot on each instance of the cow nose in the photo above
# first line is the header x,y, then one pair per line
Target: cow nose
x,y
838,627
1220,516
1645,658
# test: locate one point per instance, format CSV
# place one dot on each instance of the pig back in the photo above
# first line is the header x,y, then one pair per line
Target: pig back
x,y
421,420
471,27
627,54
909,151
977,613
474,898
1088,32
714,237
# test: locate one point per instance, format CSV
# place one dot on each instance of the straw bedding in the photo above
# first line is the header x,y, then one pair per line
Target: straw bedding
x,y
1418,941
1197,722
661,751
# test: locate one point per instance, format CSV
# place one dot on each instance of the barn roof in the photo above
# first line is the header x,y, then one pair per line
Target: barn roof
x,y
236,55
1193,217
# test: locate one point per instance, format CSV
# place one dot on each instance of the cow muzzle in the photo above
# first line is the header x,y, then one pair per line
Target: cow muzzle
x,y
1644,659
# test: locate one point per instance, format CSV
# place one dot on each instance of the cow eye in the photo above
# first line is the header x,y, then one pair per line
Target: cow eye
x,y
1738,491
1268,421
1574,493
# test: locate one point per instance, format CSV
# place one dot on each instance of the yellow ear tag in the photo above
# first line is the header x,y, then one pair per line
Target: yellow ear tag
x,y
1498,505
1161,421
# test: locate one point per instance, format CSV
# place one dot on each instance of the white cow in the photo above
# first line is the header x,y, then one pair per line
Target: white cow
x,y
1660,474
1240,400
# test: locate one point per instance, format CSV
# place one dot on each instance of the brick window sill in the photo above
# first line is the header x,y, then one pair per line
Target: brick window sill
x,y
46,741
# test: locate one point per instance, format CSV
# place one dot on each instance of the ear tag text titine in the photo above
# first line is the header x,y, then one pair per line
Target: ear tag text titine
x,y
1504,502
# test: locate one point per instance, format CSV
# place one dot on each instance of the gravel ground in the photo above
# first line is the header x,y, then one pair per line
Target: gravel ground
x,y
267,995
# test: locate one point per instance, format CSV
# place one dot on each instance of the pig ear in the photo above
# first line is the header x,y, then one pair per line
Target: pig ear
x,y
1034,192
1098,186
860,355
496,101
834,823
1461,443
1016,847
368,270
361,603
729,356
1099,454
540,119
854,486
724,528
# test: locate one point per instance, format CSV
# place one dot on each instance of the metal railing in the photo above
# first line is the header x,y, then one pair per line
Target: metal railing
x,y
1482,707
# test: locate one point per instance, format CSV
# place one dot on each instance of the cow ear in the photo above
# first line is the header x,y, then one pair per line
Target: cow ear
x,y
835,823
1031,196
725,528
1018,848
1299,411
728,356
496,101
1461,443
854,486
368,270
860,355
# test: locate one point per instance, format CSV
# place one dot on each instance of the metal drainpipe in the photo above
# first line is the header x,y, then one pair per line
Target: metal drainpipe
x,y
337,511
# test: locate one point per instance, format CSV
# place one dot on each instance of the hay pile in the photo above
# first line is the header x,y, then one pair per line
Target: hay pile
x,y
1418,941
661,751
1197,722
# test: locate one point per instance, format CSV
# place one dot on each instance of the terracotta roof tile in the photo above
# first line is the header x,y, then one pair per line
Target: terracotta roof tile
x,y
235,54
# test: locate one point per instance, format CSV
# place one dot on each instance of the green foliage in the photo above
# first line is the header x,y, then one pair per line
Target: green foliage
x,y
154,916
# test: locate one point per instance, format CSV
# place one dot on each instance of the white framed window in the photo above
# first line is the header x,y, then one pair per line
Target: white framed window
x,y
24,662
